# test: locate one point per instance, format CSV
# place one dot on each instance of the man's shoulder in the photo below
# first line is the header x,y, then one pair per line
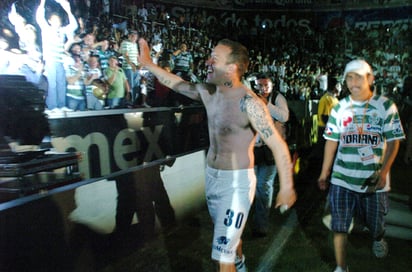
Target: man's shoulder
x,y
323,98
342,104
249,101
380,99
206,88
280,96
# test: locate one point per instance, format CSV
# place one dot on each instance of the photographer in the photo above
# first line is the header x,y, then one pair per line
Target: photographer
x,y
265,167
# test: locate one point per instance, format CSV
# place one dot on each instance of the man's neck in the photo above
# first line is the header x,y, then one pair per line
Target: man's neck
x,y
229,89
362,97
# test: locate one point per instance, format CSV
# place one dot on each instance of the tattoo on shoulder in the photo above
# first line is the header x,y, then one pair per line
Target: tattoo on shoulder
x,y
243,102
256,113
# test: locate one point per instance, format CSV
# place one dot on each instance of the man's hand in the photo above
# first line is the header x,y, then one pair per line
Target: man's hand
x,y
134,66
323,183
64,4
381,181
286,197
144,53
375,182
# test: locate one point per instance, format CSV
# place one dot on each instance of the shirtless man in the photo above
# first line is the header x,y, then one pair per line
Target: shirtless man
x,y
235,116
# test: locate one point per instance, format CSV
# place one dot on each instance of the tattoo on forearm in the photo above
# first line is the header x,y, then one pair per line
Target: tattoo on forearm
x,y
165,81
257,113
192,88
185,88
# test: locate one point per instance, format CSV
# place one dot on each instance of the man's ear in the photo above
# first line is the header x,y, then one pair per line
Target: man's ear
x,y
370,78
232,68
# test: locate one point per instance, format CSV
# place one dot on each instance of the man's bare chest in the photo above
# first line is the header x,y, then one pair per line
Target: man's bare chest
x,y
227,118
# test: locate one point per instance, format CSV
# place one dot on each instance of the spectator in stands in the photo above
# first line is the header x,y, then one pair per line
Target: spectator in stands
x,y
104,53
89,46
265,167
29,60
183,62
75,49
76,99
117,83
144,90
183,67
157,51
130,65
322,79
54,36
360,180
143,13
93,72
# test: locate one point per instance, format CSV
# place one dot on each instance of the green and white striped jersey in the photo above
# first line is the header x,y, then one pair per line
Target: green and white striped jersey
x,y
362,130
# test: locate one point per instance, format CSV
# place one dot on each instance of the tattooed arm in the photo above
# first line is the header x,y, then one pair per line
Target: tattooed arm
x,y
262,122
166,78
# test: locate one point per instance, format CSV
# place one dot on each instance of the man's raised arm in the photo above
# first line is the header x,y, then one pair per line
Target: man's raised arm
x,y
40,14
166,78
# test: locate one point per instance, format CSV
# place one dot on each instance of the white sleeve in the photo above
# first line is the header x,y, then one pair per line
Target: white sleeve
x,y
279,110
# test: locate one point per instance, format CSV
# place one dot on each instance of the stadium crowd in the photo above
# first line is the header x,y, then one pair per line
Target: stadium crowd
x,y
297,66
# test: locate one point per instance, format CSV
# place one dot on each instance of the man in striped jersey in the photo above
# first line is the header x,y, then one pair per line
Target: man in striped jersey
x,y
362,141
130,51
54,37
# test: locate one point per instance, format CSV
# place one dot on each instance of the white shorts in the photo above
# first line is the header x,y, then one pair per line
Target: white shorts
x,y
229,195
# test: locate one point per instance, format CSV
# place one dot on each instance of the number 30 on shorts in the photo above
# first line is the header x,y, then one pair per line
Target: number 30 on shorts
x,y
231,216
